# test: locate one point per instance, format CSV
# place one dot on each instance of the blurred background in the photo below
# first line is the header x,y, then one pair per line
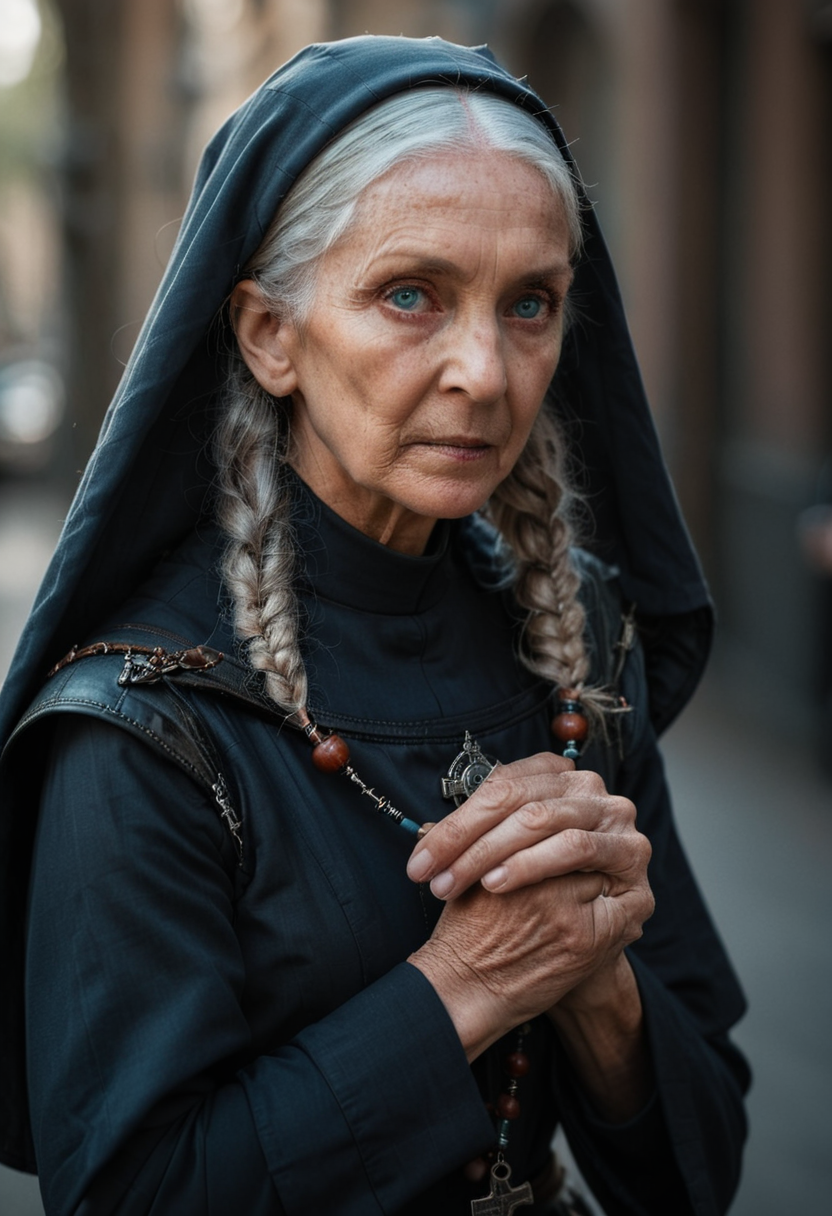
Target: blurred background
x,y
704,130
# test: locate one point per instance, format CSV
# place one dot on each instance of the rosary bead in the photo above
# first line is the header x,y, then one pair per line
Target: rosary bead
x,y
508,1107
517,1064
331,754
570,727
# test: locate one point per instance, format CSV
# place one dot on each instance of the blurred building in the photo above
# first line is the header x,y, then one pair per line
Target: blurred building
x,y
702,127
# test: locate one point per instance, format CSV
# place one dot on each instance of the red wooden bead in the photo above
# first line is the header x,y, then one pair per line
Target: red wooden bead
x,y
570,727
331,755
508,1107
516,1064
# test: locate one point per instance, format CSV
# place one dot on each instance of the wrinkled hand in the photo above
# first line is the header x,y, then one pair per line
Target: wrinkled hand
x,y
545,878
530,820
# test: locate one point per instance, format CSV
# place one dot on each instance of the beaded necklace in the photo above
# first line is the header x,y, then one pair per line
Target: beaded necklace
x,y
502,1197
331,754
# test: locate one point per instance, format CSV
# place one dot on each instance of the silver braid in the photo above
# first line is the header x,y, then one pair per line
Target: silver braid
x,y
253,509
531,509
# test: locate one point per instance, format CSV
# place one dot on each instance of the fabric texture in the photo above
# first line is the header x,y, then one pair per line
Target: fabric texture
x,y
201,1039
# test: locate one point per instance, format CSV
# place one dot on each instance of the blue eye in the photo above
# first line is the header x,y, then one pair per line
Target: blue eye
x,y
406,298
528,308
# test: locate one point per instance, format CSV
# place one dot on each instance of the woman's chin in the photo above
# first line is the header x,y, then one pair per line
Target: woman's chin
x,y
461,486
452,501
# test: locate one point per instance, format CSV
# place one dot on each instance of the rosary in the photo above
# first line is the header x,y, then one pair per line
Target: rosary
x,y
503,1198
331,754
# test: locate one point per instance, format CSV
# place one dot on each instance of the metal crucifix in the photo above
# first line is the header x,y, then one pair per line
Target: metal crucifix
x,y
503,1199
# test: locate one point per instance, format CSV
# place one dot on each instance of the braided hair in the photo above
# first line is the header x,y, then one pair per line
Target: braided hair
x,y
531,508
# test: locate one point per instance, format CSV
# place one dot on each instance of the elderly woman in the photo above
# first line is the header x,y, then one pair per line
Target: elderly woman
x,y
321,566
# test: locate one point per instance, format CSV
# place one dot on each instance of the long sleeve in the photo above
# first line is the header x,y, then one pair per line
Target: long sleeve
x,y
682,1154
147,1091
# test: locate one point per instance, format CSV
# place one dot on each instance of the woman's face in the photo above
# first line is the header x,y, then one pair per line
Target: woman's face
x,y
435,331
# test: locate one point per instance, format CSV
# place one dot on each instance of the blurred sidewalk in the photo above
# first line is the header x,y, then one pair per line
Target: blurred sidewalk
x,y
756,818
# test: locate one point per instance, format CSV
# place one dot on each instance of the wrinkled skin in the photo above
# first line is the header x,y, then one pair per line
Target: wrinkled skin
x,y
435,331
545,878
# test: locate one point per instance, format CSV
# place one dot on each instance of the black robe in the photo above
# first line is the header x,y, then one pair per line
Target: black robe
x,y
217,1042
256,1033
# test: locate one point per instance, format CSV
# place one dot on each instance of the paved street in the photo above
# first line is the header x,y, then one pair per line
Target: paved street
x,y
757,821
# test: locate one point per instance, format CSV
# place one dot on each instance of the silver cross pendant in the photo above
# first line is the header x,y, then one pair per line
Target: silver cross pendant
x,y
503,1199
467,772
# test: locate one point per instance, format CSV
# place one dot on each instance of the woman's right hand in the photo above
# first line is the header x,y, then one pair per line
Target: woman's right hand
x,y
497,960
544,874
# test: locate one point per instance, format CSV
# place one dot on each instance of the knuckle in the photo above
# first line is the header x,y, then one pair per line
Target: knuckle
x,y
590,782
644,907
622,809
555,763
536,817
477,857
494,795
579,846
453,829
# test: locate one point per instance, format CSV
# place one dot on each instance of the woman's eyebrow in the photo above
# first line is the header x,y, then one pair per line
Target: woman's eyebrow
x,y
417,263
542,278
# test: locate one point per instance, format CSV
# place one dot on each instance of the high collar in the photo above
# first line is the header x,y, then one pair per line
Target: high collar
x,y
340,564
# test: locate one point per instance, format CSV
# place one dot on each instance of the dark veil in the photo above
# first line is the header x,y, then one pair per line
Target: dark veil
x,y
148,481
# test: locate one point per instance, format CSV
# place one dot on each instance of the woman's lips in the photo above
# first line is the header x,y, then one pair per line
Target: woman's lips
x,y
458,448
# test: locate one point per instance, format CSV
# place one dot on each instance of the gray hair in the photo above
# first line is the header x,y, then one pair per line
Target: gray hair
x,y
406,128
531,508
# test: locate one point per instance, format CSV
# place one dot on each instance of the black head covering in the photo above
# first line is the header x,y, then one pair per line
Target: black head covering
x,y
144,488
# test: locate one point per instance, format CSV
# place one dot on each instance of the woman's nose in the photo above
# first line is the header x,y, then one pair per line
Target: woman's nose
x,y
475,362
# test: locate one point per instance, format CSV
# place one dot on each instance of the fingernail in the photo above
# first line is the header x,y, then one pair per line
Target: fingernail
x,y
442,884
494,878
420,865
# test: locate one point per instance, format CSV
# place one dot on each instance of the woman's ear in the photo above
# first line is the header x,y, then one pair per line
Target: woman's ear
x,y
260,336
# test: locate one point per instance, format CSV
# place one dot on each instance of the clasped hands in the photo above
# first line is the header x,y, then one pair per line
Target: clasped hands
x,y
544,878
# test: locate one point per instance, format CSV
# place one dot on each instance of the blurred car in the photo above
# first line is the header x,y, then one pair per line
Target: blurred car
x,y
31,411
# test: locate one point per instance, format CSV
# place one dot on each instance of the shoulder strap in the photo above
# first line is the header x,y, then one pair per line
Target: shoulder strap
x,y
132,680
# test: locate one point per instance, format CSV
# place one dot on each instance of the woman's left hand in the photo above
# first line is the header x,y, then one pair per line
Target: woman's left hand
x,y
530,820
